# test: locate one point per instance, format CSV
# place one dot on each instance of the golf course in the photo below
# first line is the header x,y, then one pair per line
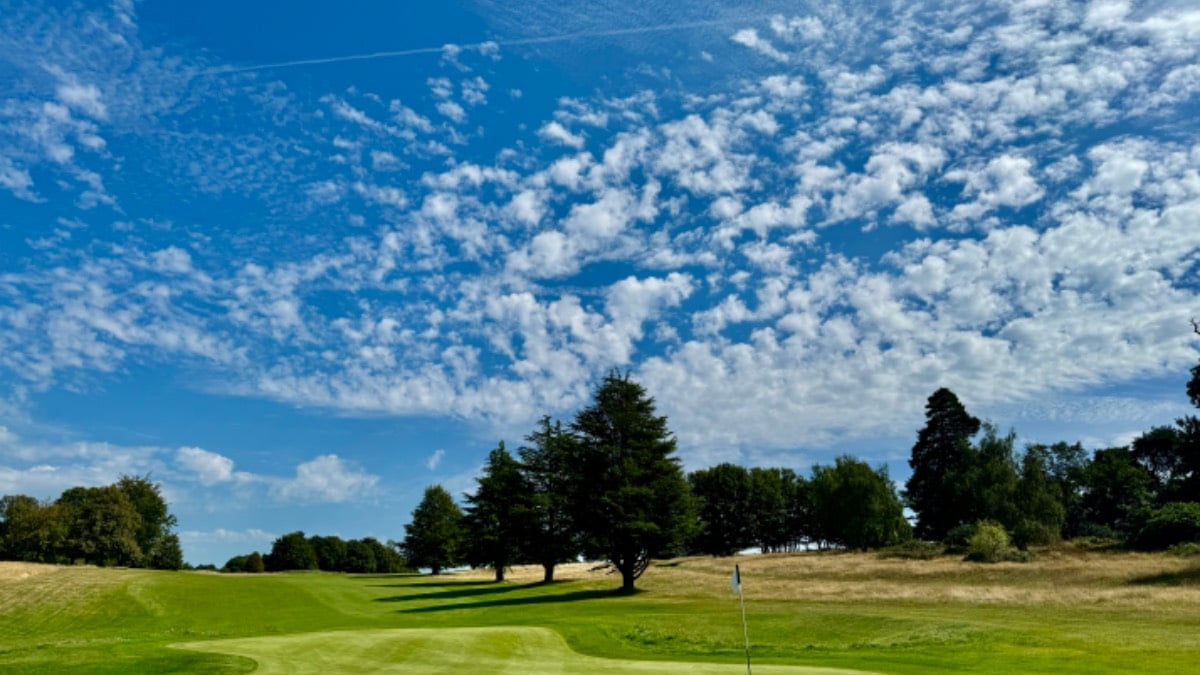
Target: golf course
x,y
1071,609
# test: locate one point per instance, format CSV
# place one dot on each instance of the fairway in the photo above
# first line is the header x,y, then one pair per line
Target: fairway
x,y
452,650
1070,610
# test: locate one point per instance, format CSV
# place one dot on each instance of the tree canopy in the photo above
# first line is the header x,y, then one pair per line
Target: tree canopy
x,y
434,538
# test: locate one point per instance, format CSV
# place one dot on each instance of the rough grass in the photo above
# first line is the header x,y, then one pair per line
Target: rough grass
x,y
1069,610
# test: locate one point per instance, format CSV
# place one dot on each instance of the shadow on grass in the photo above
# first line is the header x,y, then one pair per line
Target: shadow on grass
x,y
448,583
1182,578
468,591
573,596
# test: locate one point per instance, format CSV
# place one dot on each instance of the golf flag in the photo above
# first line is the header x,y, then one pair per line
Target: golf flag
x,y
735,583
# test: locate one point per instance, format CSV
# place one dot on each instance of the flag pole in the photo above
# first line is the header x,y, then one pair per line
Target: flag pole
x,y
737,574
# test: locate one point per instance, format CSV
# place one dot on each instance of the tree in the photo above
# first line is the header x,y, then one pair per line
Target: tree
x,y
937,463
769,509
1117,489
31,531
434,537
102,526
857,507
292,551
546,463
359,558
156,521
330,552
633,500
255,564
498,514
1065,465
986,480
722,499
1040,511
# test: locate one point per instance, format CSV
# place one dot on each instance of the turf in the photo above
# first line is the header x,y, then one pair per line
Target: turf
x,y
1073,611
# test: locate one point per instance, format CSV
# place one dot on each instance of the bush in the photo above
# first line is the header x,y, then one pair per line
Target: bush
x,y
990,543
1174,523
914,549
1189,550
959,537
1031,533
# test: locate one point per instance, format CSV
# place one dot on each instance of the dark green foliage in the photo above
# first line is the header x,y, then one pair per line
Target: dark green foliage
x,y
933,491
546,464
359,558
1039,507
434,538
498,515
1066,467
914,549
254,563
102,527
857,507
127,524
987,480
1116,490
722,497
1173,523
330,552
167,554
155,523
771,492
291,552
632,499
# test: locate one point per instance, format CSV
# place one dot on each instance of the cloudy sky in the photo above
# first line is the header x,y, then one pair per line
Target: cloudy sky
x,y
299,260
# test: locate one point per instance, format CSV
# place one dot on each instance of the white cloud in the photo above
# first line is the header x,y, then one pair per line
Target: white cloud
x,y
326,479
435,459
748,37
210,468
557,133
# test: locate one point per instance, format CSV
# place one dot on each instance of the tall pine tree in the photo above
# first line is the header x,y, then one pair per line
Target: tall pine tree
x,y
934,490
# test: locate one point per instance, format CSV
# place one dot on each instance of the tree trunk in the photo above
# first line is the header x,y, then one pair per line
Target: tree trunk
x,y
549,573
434,570
500,573
627,582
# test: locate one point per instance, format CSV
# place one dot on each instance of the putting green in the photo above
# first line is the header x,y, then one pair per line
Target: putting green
x,y
450,650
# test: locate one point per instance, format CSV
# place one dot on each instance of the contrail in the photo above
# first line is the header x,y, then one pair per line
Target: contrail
x,y
564,37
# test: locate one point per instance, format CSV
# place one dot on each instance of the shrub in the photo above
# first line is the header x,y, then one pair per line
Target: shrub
x,y
958,537
1189,550
914,549
1031,533
1174,523
990,543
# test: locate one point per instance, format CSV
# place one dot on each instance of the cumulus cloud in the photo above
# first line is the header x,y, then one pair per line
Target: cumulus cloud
x,y
210,468
326,479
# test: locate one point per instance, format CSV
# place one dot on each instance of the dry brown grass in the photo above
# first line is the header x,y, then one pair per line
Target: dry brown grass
x,y
16,571
1063,578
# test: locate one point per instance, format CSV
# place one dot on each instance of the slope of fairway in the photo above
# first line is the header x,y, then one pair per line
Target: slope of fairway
x,y
1068,611
449,650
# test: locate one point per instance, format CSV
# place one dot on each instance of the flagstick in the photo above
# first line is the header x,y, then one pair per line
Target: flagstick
x,y
745,630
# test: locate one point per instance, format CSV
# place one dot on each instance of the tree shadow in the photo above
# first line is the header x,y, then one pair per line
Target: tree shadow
x,y
469,591
573,596
437,584
1189,577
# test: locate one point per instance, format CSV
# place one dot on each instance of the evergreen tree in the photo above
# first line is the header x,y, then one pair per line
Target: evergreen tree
x,y
434,537
937,465
546,463
633,500
498,514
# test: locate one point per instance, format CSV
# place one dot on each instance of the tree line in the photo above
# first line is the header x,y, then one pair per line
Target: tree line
x,y
608,487
294,551
124,524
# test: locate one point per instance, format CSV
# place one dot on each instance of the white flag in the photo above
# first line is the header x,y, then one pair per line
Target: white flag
x,y
735,583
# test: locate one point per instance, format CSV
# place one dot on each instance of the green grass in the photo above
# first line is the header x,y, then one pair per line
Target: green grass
x,y
1119,613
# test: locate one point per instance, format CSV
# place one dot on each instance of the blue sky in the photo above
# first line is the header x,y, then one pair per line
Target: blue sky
x,y
299,260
